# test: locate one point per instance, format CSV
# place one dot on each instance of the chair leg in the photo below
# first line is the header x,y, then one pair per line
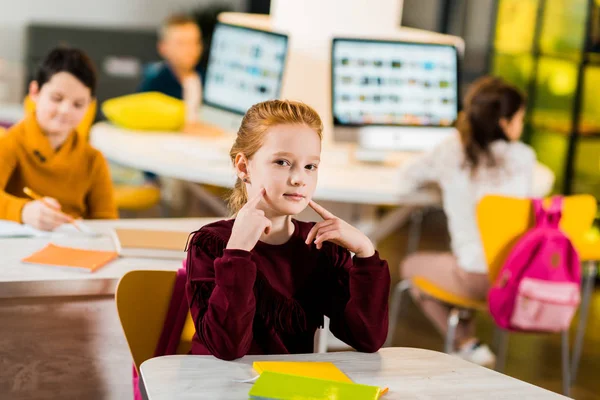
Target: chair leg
x,y
501,344
453,320
399,290
588,285
565,363
320,345
414,231
142,387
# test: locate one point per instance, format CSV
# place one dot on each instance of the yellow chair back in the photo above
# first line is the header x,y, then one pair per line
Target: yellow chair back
x,y
503,220
83,129
142,299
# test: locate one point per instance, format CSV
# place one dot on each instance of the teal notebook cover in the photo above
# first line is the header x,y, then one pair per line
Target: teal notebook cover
x,y
273,385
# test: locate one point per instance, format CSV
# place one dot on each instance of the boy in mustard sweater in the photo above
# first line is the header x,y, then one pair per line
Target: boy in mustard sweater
x,y
45,153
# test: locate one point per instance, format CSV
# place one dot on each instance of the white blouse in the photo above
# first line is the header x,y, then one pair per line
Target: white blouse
x,y
461,191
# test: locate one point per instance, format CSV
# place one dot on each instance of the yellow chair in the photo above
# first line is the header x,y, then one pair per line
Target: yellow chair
x,y
127,197
142,299
136,198
502,221
589,252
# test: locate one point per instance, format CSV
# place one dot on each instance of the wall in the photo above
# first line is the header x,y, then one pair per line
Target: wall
x,y
470,19
17,14
422,14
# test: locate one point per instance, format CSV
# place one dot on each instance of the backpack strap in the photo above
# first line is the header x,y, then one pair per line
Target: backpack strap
x,y
548,217
175,319
539,211
555,211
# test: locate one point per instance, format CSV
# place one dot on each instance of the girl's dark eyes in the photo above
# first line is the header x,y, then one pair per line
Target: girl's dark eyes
x,y
285,163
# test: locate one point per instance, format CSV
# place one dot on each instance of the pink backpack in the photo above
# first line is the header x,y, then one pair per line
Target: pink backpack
x,y
538,287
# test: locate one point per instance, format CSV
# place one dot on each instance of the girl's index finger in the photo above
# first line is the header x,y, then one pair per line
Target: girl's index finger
x,y
253,202
320,210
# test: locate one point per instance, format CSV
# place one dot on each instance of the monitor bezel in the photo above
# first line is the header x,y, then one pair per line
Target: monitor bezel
x,y
337,123
281,75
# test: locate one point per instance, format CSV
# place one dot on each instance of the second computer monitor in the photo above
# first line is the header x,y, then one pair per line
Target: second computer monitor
x,y
245,67
400,88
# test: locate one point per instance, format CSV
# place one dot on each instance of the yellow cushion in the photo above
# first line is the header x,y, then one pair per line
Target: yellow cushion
x,y
136,198
151,111
443,295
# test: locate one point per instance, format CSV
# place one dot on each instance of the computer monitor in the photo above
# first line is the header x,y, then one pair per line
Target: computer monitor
x,y
394,95
245,67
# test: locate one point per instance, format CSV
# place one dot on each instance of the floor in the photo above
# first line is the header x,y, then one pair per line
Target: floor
x,y
531,358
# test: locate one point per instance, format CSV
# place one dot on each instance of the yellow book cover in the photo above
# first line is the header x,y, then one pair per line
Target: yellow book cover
x,y
322,370
273,385
310,369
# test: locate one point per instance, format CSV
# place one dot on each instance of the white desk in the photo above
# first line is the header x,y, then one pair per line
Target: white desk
x,y
18,279
11,112
409,374
355,188
60,336
205,160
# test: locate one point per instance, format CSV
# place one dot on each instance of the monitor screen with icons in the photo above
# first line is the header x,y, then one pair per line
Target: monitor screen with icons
x,y
380,82
245,67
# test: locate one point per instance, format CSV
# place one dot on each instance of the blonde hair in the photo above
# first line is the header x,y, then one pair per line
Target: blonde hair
x,y
255,124
176,20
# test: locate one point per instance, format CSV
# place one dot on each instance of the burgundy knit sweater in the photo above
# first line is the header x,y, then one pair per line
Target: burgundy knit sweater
x,y
272,299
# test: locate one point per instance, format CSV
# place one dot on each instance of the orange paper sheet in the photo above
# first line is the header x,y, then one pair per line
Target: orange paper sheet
x,y
60,256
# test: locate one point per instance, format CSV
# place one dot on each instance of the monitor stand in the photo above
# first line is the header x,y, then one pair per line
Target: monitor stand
x,y
381,144
226,120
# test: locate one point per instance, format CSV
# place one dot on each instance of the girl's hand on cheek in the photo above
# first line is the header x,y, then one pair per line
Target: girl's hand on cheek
x,y
338,231
250,223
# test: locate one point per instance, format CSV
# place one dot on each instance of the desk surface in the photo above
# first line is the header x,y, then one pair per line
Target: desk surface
x,y
203,160
409,374
206,160
11,113
18,279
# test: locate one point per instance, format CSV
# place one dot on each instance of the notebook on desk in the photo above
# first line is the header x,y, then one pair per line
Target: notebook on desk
x,y
274,385
323,370
10,229
146,243
60,256
309,369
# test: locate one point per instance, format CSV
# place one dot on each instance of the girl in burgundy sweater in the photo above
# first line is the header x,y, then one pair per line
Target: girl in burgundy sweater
x,y
261,283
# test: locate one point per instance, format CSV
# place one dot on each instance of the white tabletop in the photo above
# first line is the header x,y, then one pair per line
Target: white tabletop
x,y
18,279
205,160
409,374
11,112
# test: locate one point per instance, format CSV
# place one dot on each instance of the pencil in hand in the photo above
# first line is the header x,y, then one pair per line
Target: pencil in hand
x,y
30,193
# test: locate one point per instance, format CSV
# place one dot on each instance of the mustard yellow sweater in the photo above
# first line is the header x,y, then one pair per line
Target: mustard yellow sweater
x,y
75,174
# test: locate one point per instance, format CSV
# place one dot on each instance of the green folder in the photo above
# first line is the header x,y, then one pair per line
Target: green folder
x,y
274,385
